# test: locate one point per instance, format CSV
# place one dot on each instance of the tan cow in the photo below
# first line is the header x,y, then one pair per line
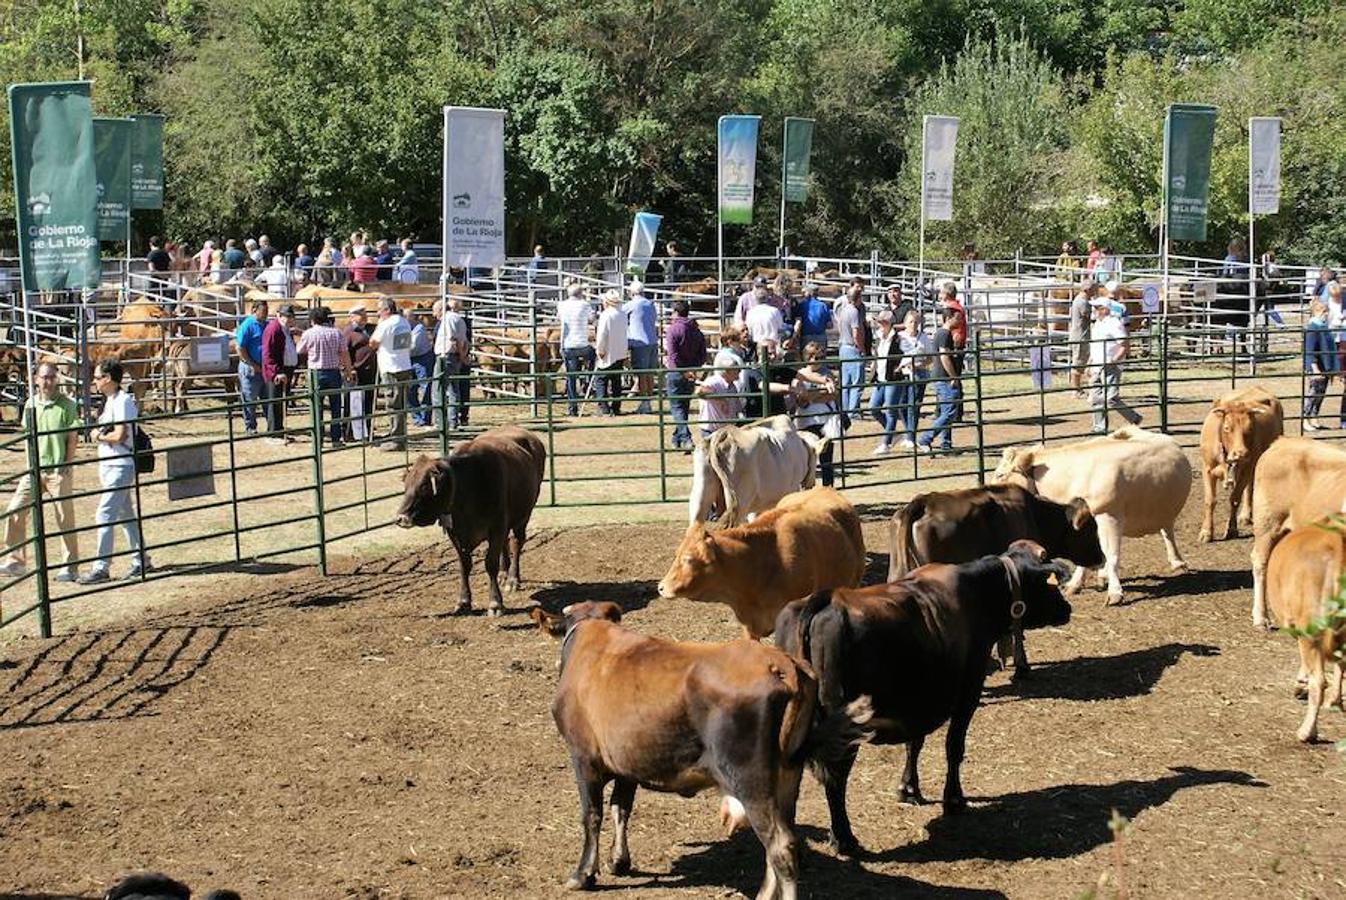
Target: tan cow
x,y
1302,577
509,354
340,301
1238,429
1299,481
745,471
1135,481
809,542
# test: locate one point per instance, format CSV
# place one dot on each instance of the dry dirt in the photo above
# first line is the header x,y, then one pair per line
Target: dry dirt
x,y
298,737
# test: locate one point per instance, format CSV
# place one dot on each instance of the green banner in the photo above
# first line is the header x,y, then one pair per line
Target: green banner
x,y
51,132
798,146
1189,132
147,163
112,162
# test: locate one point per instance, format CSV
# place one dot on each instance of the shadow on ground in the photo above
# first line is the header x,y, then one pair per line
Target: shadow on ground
x,y
1090,678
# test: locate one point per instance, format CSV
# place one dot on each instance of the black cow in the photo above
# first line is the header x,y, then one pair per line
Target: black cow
x,y
960,526
918,646
158,886
484,491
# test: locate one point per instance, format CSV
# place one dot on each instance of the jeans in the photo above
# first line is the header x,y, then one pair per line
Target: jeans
x,y
644,357
396,385
885,405
824,458
422,389
115,508
577,359
251,390
608,389
947,395
1107,382
678,387
276,395
1314,401
329,379
851,373
451,389
915,396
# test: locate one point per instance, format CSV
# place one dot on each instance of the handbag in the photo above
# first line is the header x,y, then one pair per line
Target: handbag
x,y
836,423
142,450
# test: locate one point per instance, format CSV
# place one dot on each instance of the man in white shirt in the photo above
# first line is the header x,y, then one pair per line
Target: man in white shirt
x,y
755,296
765,325
1107,349
451,361
392,341
576,315
611,353
116,474
275,278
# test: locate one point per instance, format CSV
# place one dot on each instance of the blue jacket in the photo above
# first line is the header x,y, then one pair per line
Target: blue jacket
x,y
1319,348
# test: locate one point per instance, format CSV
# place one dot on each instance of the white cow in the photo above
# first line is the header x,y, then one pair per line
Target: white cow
x,y
744,471
1135,481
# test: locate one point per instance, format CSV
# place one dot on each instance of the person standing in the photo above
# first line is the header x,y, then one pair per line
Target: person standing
x,y
815,401
251,385
1320,362
329,362
275,278
675,270
720,394
1080,316
642,342
116,475
232,260
363,269
758,293
610,353
55,418
535,265
1107,350
328,262
577,353
265,251
359,406
947,372
915,371
1067,264
451,358
407,269
392,341
684,349
887,400
383,259
303,265
203,259
849,320
158,259
813,319
422,370
280,358
765,325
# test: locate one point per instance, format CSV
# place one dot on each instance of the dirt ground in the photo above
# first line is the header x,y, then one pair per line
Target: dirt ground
x,y
298,737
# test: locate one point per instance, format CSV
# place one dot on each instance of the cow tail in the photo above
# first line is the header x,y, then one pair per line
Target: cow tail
x,y
902,556
835,727
715,447
799,711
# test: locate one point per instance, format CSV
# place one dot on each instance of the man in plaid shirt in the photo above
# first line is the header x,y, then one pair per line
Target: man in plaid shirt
x,y
329,361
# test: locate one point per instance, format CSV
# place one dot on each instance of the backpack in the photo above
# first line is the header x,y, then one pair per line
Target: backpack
x,y
143,450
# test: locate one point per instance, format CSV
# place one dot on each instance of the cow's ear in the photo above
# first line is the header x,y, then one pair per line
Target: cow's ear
x,y
1079,512
610,611
1258,411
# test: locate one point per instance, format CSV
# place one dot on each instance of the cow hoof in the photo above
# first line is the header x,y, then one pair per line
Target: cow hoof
x,y
955,805
496,611
846,847
1021,673
1307,736
909,797
620,866
1301,690
464,608
1181,568
1114,600
512,584
576,883
1203,537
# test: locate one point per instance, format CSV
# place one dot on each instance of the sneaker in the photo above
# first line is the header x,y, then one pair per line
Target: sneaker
x,y
67,576
881,449
13,568
644,410
135,573
1308,426
905,444
391,446
922,448
274,441
94,576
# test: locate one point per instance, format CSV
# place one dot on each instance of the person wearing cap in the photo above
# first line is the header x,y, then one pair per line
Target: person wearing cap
x,y
758,293
275,278
452,362
251,386
684,348
391,341
611,352
1107,349
359,406
422,368
812,318
576,315
280,357
717,407
642,341
765,326
329,362
1081,316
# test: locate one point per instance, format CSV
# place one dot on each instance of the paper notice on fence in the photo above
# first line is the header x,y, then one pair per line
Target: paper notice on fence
x,y
939,141
474,187
737,167
1264,165
644,232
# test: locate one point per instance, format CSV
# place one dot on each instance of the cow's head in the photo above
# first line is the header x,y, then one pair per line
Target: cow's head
x,y
1236,423
427,492
1039,586
693,565
1080,542
1016,467
557,625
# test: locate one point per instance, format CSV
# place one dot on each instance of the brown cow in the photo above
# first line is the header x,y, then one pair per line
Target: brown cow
x,y
682,717
511,353
1302,577
1299,481
809,542
1239,427
484,491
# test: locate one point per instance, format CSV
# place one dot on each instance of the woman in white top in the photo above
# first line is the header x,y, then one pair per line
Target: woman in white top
x,y
885,403
815,401
116,474
612,351
915,368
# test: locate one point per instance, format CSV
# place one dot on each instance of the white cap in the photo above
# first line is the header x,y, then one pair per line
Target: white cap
x,y
728,359
1111,286
636,286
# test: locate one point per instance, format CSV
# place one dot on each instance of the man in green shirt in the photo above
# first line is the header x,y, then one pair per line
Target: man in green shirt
x,y
55,413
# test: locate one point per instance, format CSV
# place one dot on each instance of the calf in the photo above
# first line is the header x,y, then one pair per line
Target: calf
x,y
1303,575
1239,427
484,491
810,541
682,717
960,526
919,646
743,471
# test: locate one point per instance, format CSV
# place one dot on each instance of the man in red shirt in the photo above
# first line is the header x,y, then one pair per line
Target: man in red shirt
x,y
280,357
363,268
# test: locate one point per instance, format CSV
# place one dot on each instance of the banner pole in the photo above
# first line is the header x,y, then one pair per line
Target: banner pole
x,y
784,147
920,240
1252,255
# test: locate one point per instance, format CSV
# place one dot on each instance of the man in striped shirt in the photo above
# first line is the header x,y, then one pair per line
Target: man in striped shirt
x,y
329,361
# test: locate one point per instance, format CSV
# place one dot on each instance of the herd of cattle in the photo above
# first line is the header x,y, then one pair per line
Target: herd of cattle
x,y
969,570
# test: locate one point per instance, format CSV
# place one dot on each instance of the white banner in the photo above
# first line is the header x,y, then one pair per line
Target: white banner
x,y
737,171
939,140
474,187
1264,165
644,232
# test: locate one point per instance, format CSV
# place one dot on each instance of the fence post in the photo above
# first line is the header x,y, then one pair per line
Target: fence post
x,y
233,479
442,390
981,430
315,415
1163,376
39,526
